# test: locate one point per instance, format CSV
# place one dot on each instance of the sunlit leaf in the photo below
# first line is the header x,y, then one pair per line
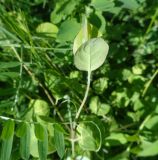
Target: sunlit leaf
x,y
48,29
91,55
98,108
89,136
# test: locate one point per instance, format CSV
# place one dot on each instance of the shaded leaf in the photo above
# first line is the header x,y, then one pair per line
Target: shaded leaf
x,y
25,143
68,30
59,142
7,140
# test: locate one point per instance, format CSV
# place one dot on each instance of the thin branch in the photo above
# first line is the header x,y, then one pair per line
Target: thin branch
x,y
85,96
147,85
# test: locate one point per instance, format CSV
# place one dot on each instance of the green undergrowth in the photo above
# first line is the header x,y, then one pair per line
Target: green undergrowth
x,y
47,49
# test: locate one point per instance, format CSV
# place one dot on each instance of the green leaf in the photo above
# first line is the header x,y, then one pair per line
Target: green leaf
x,y
33,142
41,107
115,139
98,108
4,76
8,130
59,142
146,149
48,29
25,143
67,34
43,145
152,123
7,140
132,4
22,129
39,131
4,65
91,55
100,85
63,9
102,5
87,32
89,136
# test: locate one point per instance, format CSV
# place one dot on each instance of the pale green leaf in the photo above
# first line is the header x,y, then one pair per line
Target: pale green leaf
x,y
132,4
115,139
91,55
102,5
100,85
48,29
41,107
87,32
89,136
146,148
98,108
33,143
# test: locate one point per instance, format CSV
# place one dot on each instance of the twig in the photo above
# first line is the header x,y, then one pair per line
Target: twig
x,y
85,96
147,85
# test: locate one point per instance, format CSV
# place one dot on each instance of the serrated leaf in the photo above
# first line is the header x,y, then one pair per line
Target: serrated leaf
x,y
59,142
25,143
7,140
91,55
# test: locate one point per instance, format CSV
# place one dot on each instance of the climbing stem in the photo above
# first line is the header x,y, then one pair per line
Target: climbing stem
x,y
85,96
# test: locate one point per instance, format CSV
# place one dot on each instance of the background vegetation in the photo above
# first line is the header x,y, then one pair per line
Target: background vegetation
x,y
40,88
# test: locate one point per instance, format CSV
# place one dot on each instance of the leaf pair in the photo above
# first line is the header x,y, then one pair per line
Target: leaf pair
x,y
89,54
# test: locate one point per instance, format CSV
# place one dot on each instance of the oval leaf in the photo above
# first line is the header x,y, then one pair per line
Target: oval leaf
x,y
91,55
90,136
48,29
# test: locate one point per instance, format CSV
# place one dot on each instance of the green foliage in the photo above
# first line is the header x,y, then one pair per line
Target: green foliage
x,y
44,45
